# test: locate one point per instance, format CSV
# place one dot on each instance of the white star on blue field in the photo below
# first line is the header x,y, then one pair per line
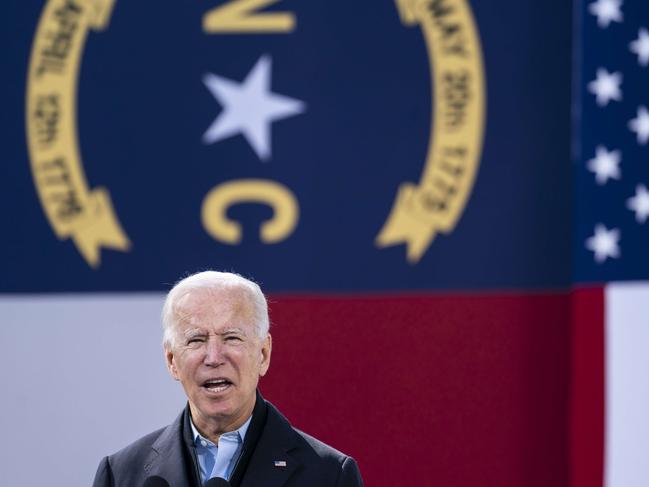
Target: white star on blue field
x,y
249,107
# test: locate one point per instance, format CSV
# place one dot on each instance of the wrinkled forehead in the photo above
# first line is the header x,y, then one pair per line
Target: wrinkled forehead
x,y
215,307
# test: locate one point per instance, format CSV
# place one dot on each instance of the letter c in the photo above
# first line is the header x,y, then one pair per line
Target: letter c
x,y
277,196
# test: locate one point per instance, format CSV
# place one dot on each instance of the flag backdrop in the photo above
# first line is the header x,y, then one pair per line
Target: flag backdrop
x,y
433,193
610,389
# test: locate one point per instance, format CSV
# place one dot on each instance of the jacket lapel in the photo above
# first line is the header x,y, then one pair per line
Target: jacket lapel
x,y
271,464
166,458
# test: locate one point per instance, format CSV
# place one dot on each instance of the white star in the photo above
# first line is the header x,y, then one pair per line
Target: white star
x,y
606,11
640,125
639,203
606,87
605,165
641,47
249,108
604,243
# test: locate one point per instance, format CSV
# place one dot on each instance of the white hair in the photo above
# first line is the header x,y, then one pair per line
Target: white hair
x,y
215,281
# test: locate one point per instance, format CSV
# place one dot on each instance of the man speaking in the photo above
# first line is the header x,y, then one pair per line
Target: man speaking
x,y
217,344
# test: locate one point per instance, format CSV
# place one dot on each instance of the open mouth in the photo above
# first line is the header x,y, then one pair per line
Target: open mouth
x,y
217,385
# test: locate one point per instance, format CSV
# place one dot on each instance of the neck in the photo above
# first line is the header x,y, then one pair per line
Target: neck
x,y
213,428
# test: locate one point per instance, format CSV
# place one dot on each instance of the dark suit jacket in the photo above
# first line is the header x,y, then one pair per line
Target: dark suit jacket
x,y
309,462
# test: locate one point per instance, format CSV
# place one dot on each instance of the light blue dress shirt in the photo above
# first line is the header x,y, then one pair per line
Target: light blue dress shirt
x,y
219,460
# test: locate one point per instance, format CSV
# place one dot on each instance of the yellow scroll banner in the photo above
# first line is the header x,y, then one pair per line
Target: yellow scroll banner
x,y
72,208
458,113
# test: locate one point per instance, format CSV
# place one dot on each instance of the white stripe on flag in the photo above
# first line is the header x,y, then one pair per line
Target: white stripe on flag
x,y
626,457
82,375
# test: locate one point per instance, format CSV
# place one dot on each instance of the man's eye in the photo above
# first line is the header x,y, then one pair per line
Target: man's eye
x,y
232,338
195,340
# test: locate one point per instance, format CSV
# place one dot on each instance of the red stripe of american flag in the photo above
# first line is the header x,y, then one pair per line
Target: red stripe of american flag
x,y
587,407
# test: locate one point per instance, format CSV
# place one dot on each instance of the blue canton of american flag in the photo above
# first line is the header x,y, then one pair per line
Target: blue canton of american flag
x,y
612,192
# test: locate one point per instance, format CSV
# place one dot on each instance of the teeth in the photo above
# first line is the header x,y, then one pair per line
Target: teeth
x,y
217,389
217,385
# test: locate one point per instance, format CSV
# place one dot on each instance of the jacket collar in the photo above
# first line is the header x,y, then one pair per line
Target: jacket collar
x,y
168,458
255,430
272,464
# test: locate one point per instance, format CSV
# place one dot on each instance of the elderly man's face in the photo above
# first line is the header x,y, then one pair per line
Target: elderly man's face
x,y
218,357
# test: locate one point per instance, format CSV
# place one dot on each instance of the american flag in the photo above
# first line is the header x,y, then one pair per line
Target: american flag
x,y
611,356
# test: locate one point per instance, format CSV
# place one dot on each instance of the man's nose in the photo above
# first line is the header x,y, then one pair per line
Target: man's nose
x,y
213,353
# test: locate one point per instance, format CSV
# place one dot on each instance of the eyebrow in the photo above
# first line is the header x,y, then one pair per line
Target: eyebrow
x,y
193,332
232,330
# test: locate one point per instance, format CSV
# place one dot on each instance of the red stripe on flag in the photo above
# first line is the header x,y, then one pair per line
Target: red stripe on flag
x,y
587,407
459,390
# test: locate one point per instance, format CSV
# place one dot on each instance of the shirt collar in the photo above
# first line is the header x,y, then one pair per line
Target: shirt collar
x,y
239,434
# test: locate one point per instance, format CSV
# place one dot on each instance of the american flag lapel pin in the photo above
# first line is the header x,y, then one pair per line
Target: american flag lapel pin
x,y
280,463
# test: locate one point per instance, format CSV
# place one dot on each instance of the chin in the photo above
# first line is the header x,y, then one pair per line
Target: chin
x,y
219,408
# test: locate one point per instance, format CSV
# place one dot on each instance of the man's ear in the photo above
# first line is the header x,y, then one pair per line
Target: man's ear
x,y
266,349
171,362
